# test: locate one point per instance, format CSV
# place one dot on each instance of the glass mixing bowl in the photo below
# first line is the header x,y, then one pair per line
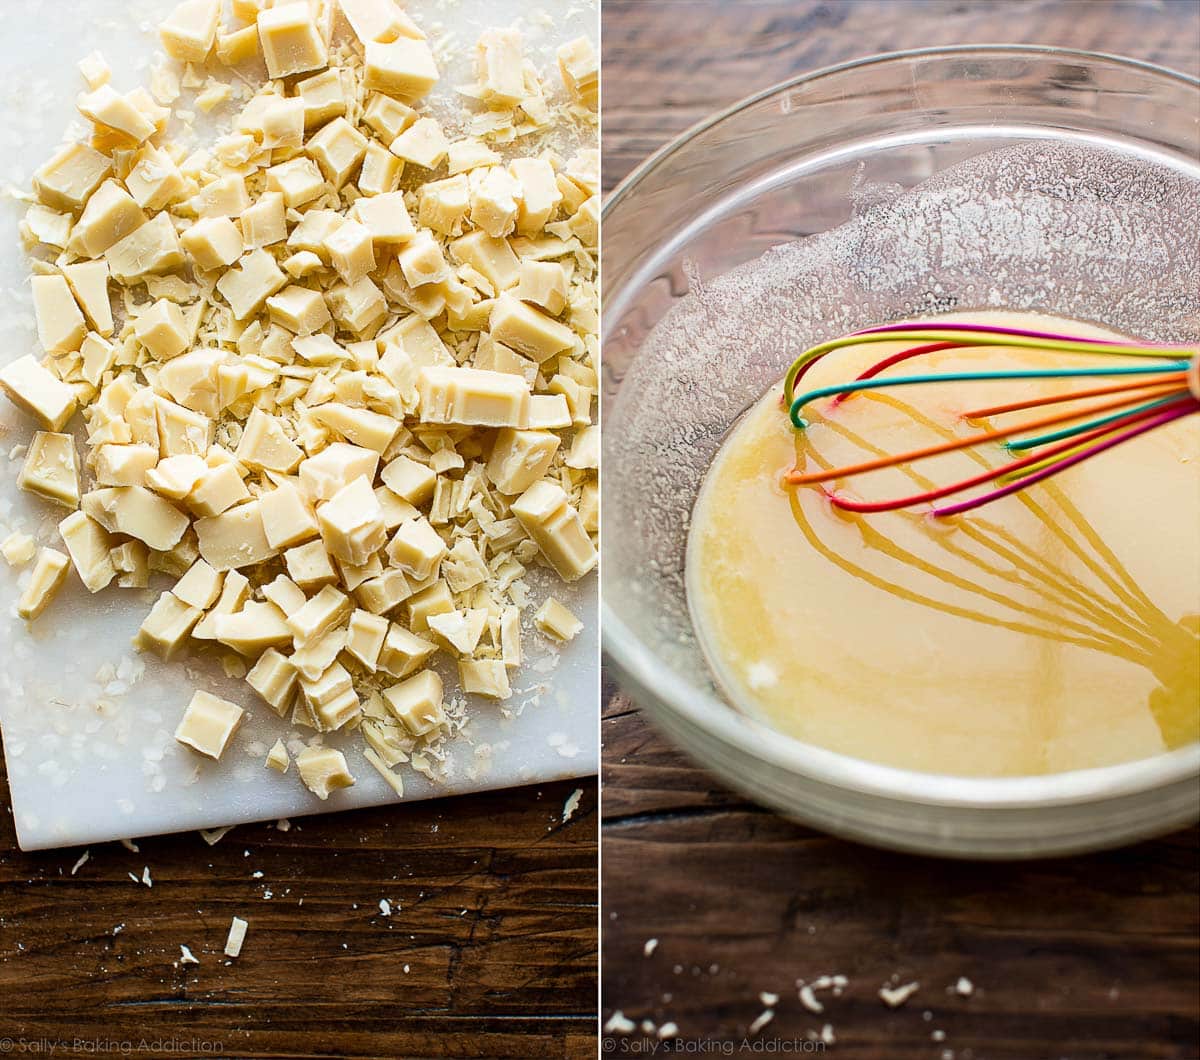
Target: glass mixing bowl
x,y
804,158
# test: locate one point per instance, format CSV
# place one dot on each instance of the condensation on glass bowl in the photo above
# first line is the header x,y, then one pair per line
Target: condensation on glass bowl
x,y
1020,178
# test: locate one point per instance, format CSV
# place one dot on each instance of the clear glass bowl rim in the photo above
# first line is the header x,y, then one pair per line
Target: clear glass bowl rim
x,y
653,684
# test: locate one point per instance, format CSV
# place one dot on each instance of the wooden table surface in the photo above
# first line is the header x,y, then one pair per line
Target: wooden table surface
x,y
1083,958
489,951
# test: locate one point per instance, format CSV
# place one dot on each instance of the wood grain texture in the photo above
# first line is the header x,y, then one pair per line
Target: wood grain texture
x,y
1091,958
490,949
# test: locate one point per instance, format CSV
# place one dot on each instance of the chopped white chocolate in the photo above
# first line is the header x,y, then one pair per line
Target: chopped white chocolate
x,y
162,330
417,702
136,511
213,242
484,677
49,572
208,723
60,322
165,629
417,548
235,538
423,144
472,396
323,770
556,620
365,637
352,522
343,405
378,20
291,42
236,937
18,549
519,458
68,179
580,70
403,68
547,516
51,468
88,281
200,586
190,30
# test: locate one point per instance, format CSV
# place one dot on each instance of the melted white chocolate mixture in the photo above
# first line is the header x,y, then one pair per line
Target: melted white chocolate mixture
x,y
1054,629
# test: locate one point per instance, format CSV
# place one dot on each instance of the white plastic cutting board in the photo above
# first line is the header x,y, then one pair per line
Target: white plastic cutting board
x,y
90,760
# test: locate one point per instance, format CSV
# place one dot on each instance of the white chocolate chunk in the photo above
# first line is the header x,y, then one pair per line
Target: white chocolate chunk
x,y
403,68
124,465
409,479
499,67
371,430
287,517
529,330
335,467
68,179
352,522
365,637
162,330
88,281
253,629
309,565
299,181
291,42
213,242
105,106
138,512
338,149
331,697
218,491
18,549
556,620
236,937
484,677
460,629
200,586
88,545
403,651
547,516
60,322
378,20
580,70
265,446
472,396
235,538
540,194
299,309
417,548
323,770
265,222
251,283
165,629
519,458
274,679
417,702
544,284
49,572
190,30
434,600
277,757
423,143
155,180
319,615
207,725
51,468
150,249
95,70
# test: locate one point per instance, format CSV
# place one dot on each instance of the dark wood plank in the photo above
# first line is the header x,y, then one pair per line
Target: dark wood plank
x,y
1085,958
490,950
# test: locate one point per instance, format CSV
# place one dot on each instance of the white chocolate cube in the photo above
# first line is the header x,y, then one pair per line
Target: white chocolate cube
x,y
520,458
309,565
89,546
291,42
403,68
88,281
162,330
472,396
528,330
352,522
287,517
208,724
274,679
547,516
335,467
49,572
67,180
165,629
147,250
235,538
213,242
251,283
417,702
323,770
338,149
484,677
417,548
51,468
299,181
423,144
60,322
365,637
410,479
189,32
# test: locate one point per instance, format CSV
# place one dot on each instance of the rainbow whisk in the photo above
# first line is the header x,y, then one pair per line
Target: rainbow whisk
x,y
1136,398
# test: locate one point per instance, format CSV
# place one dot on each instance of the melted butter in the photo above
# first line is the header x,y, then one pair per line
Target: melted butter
x,y
1054,629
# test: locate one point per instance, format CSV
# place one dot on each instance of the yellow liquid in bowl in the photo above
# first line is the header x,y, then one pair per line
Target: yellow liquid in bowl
x,y
1054,629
